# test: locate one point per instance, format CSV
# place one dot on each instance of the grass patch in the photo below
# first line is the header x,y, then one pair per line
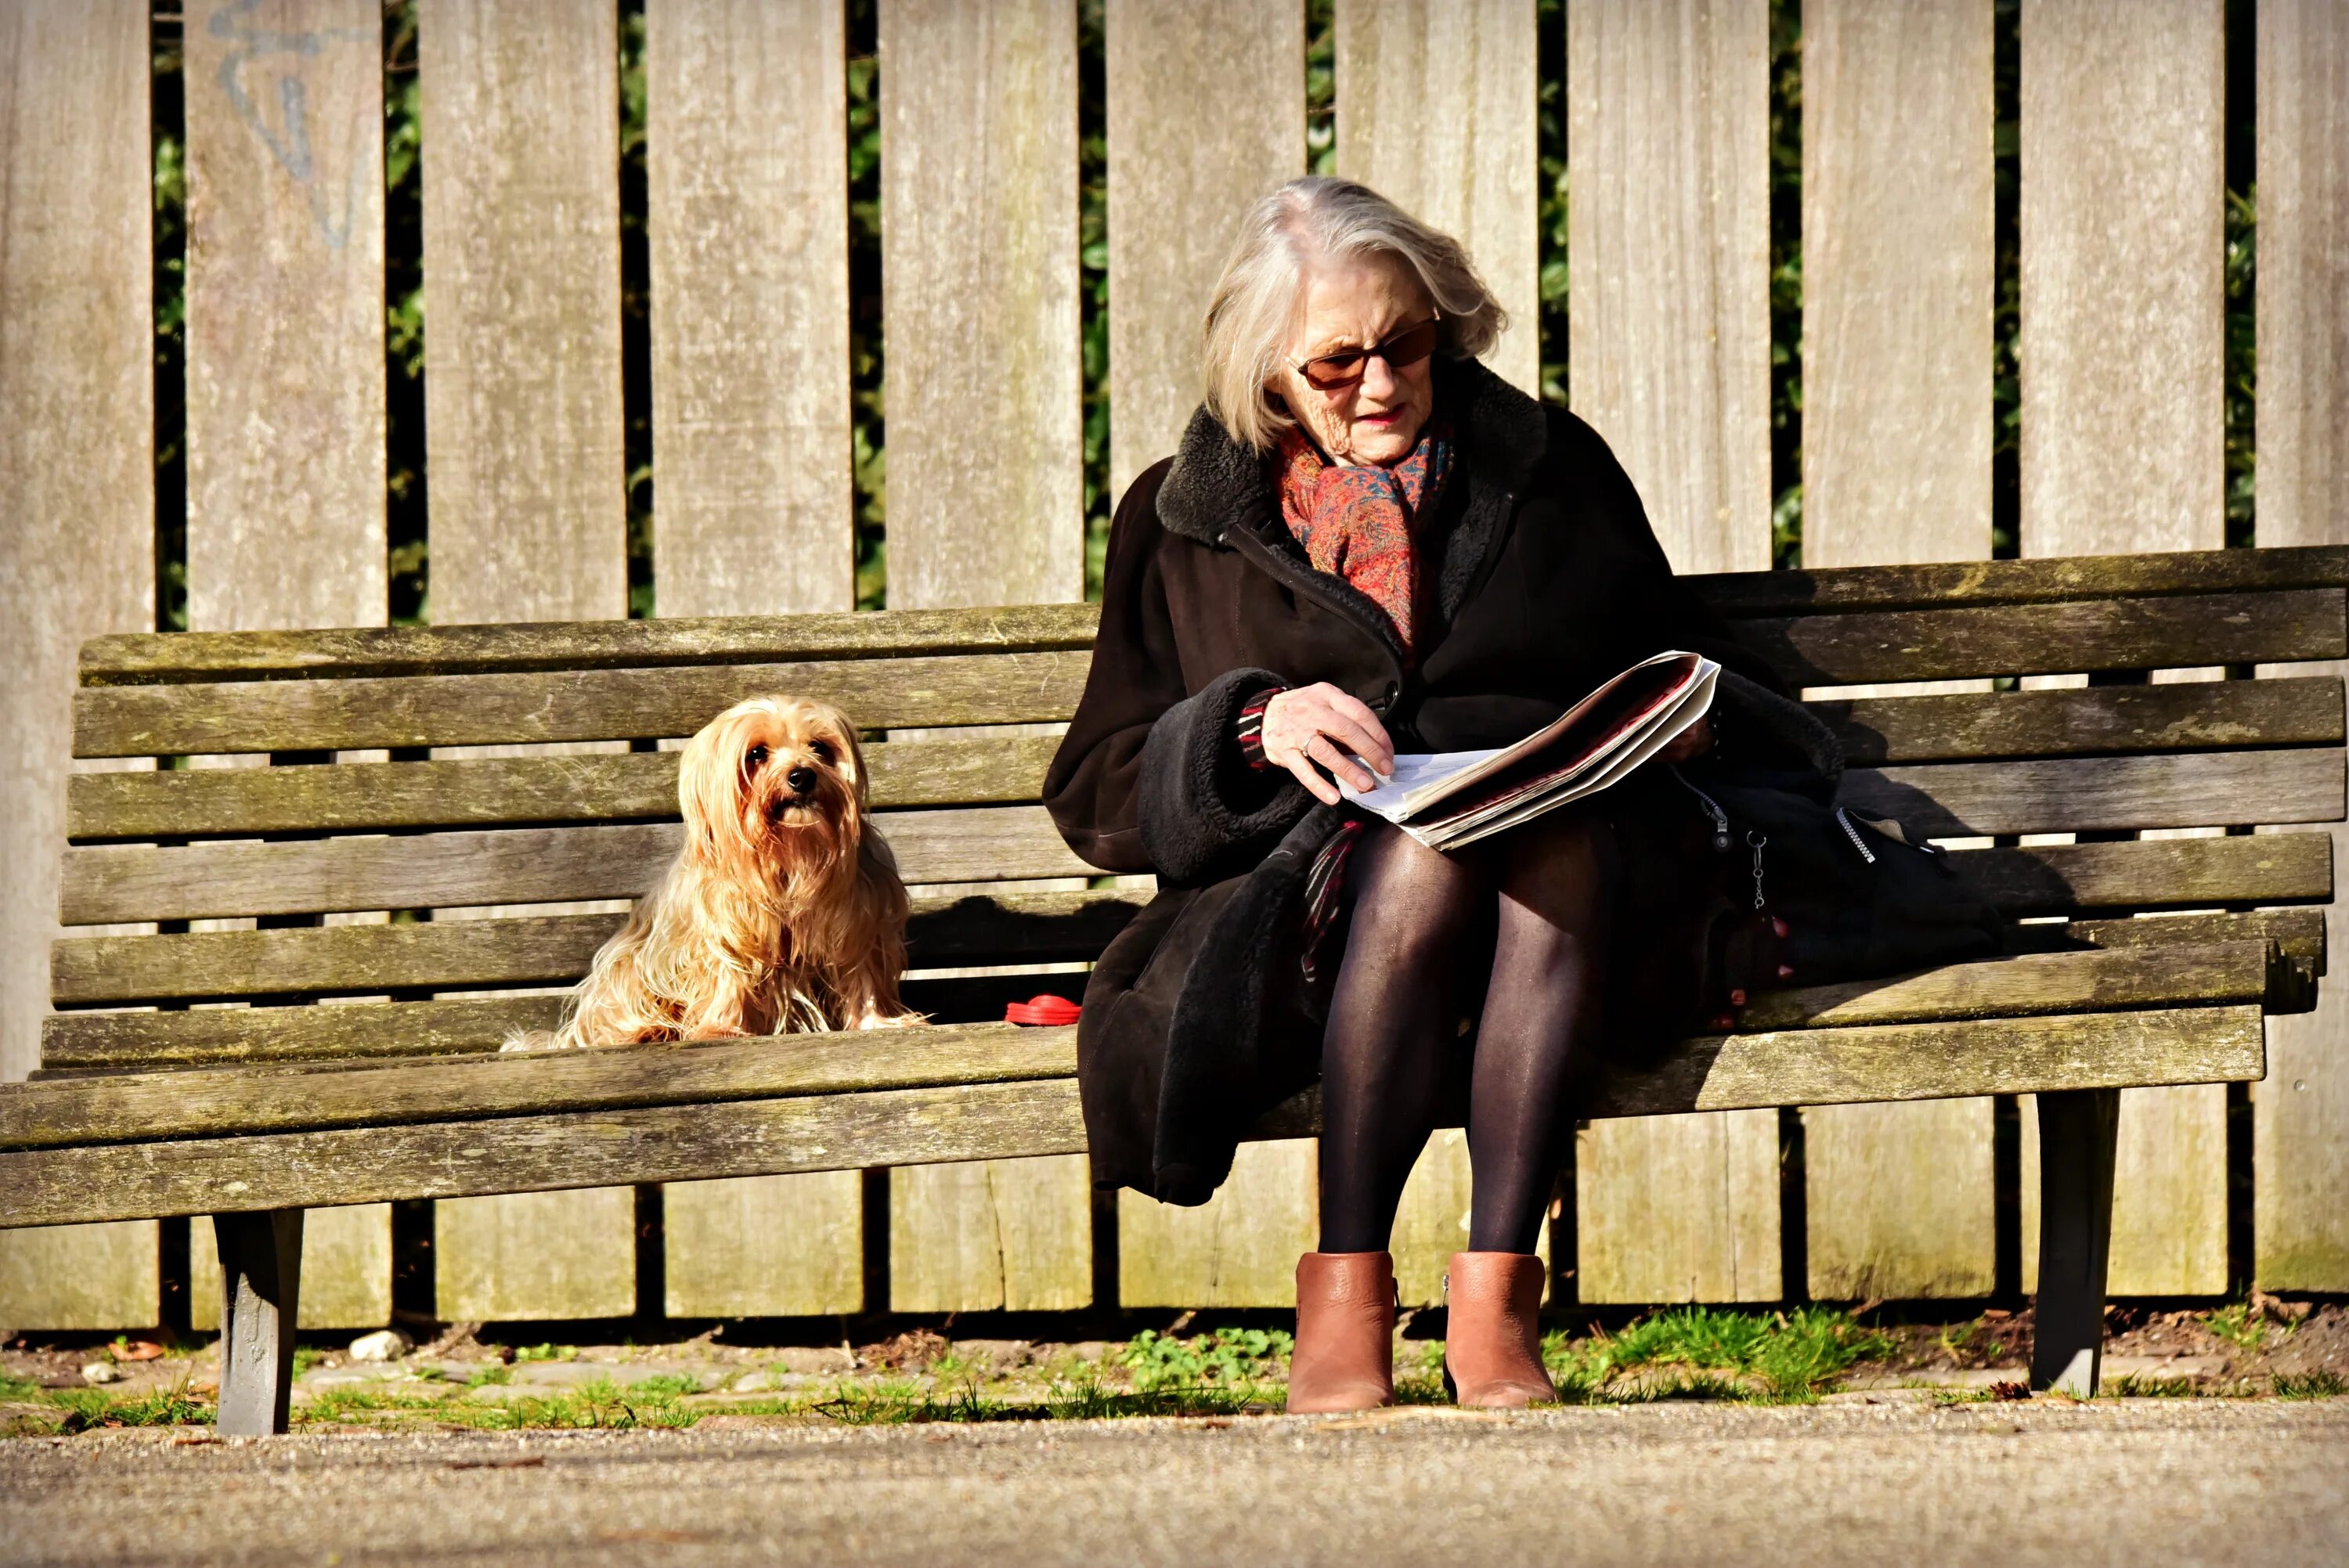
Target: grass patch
x,y
1700,1352
1082,1397
2135,1388
80,1409
1224,1357
2239,1324
18,1387
664,1384
496,1373
597,1406
306,1356
2320,1384
546,1352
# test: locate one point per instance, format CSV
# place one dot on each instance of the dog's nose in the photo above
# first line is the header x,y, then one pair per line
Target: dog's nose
x,y
800,780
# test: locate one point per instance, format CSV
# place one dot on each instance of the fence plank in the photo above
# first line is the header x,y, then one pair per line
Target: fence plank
x,y
345,1269
2300,1223
991,1236
284,281
1237,1249
521,212
1668,120
979,191
1896,290
1431,1222
978,186
286,404
746,105
1436,111
764,1246
2123,360
746,126
1205,112
77,557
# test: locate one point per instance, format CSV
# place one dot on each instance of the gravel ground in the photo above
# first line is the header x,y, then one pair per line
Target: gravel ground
x,y
2131,1482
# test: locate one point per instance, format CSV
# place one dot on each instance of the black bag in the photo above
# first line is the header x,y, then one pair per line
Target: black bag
x,y
1860,899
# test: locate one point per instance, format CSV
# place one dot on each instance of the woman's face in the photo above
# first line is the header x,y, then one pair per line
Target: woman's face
x,y
1356,303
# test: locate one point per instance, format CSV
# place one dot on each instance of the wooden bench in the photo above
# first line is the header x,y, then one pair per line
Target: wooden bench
x,y
149,1107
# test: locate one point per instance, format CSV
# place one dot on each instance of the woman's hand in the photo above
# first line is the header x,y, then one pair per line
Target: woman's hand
x,y
1694,741
1322,724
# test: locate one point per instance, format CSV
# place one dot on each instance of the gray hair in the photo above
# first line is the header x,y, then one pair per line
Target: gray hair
x,y
1257,299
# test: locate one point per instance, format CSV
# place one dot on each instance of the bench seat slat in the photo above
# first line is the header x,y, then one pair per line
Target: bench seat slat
x,y
640,786
102,884
527,950
2141,975
139,658
560,706
679,1142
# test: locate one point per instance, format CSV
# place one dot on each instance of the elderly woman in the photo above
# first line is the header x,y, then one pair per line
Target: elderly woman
x,y
1369,542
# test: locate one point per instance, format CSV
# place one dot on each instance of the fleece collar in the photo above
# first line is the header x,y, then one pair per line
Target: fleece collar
x,y
1218,484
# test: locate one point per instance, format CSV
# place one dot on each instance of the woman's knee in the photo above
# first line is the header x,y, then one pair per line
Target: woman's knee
x,y
1564,854
1409,900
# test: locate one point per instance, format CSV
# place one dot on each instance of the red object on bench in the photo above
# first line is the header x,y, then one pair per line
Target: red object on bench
x,y
1042,1010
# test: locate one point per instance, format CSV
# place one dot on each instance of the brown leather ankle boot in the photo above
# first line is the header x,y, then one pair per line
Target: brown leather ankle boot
x,y
1492,1346
1344,1358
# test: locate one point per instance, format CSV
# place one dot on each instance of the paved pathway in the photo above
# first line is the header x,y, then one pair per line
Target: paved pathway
x,y
2137,1482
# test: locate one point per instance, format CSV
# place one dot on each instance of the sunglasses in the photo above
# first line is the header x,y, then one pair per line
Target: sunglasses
x,y
1346,366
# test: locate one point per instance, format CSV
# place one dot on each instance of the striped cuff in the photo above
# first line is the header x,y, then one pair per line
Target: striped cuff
x,y
1249,727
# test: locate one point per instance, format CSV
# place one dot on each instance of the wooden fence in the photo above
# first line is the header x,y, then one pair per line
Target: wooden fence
x,y
1666,106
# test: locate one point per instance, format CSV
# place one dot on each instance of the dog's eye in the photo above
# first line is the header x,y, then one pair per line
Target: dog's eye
x,y
821,751
755,757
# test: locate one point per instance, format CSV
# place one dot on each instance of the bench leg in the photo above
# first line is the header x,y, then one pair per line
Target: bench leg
x,y
2076,1132
261,1288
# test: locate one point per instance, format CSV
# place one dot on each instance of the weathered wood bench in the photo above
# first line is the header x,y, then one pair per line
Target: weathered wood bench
x,y
149,1107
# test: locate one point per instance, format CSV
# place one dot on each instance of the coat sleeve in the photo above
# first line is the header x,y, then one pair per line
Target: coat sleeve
x,y
1150,776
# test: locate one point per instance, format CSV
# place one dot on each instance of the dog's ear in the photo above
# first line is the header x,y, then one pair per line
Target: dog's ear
x,y
834,726
709,787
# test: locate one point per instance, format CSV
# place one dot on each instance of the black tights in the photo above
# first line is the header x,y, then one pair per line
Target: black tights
x,y
1536,899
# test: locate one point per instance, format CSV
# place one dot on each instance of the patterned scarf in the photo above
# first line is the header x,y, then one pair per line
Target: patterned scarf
x,y
1357,522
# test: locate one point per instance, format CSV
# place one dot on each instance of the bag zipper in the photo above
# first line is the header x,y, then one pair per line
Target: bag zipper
x,y
1852,833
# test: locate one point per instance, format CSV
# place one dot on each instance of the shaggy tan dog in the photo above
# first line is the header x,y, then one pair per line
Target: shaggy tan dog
x,y
784,912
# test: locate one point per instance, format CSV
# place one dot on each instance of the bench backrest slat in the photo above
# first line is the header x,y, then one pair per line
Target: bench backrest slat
x,y
148,658
108,884
523,950
558,705
1009,769
667,702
